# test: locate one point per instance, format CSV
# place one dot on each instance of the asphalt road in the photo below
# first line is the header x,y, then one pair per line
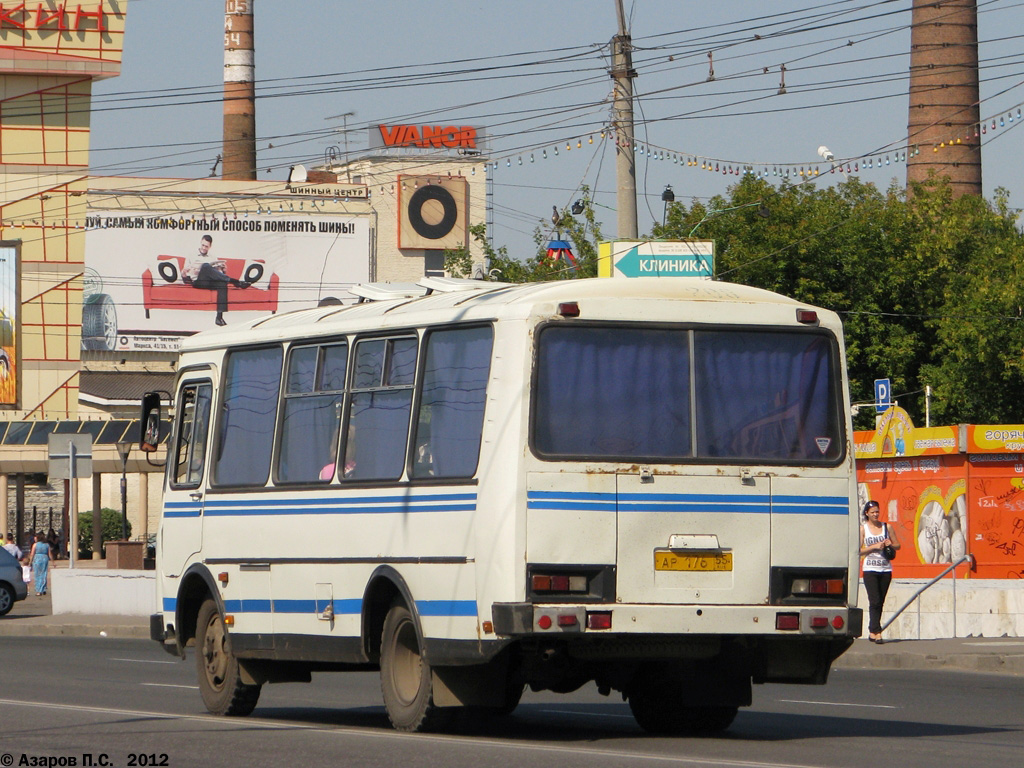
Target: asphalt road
x,y
98,702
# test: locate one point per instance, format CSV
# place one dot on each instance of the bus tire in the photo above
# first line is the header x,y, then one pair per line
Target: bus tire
x,y
220,681
405,676
666,715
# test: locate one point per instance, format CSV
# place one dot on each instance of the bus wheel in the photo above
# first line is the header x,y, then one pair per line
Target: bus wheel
x,y
220,681
405,678
656,713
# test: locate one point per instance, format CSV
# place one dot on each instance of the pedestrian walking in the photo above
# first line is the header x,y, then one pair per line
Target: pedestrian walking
x,y
875,539
40,556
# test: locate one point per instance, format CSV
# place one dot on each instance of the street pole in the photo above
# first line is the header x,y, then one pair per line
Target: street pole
x,y
73,507
625,153
124,449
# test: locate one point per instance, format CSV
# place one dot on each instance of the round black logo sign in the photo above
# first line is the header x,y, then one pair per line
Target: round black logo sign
x,y
447,222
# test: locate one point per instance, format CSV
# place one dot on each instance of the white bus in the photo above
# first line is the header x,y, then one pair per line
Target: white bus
x,y
477,487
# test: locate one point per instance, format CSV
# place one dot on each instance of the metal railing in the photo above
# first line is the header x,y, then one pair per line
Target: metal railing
x,y
966,558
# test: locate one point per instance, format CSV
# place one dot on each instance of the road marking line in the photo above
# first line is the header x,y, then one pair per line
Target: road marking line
x,y
169,685
250,723
837,704
146,661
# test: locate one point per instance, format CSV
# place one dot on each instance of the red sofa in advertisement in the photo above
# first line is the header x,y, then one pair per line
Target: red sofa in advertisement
x,y
168,291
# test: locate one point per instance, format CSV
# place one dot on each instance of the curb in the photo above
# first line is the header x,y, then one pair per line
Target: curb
x,y
70,629
990,664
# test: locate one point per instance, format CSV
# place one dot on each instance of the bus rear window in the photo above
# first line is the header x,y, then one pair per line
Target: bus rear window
x,y
657,394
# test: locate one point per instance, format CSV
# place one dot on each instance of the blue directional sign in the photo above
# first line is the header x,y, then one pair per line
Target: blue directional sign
x,y
662,258
883,395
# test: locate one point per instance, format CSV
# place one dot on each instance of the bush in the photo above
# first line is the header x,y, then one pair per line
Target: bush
x,y
111,529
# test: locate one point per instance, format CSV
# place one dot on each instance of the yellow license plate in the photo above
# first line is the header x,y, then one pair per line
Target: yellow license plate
x,y
696,561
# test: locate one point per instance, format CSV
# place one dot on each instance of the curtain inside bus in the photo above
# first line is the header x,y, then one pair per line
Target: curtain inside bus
x,y
624,393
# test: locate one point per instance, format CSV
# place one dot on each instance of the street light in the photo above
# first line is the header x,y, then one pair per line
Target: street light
x,y
668,196
123,449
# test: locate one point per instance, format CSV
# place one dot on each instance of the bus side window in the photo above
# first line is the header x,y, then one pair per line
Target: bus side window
x,y
193,426
451,413
311,413
379,409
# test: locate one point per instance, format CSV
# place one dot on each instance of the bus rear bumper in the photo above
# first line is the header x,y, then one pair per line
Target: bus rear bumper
x,y
554,619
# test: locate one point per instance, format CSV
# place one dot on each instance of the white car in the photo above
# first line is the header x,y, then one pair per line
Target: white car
x,y
12,586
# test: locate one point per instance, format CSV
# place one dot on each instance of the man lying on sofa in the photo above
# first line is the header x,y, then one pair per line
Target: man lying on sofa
x,y
207,273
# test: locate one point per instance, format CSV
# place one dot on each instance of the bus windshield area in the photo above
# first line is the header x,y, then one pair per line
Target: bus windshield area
x,y
742,395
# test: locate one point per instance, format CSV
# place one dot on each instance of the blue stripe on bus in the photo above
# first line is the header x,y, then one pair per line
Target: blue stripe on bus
x,y
341,607
349,607
571,494
749,508
446,607
688,502
342,500
330,510
351,505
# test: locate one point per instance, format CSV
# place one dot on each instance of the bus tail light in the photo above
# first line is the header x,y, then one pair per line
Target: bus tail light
x,y
599,620
818,586
559,583
570,583
787,621
808,586
569,309
838,622
819,622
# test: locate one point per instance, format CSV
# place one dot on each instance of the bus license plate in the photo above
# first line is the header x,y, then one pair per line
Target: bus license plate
x,y
700,561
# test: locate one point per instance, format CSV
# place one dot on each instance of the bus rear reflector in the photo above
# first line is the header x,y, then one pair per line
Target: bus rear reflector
x,y
838,623
569,309
567,620
807,316
787,621
819,622
599,620
544,622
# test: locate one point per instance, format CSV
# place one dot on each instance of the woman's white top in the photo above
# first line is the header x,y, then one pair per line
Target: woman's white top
x,y
876,561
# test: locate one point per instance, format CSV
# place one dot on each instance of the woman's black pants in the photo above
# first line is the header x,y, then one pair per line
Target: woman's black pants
x,y
876,584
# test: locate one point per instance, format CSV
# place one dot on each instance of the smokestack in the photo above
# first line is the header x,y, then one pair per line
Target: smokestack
x,y
944,109
239,154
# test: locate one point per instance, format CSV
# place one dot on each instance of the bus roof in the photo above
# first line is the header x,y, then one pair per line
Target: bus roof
x,y
384,305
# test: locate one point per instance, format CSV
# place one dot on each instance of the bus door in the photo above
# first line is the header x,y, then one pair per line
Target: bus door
x,y
182,525
702,537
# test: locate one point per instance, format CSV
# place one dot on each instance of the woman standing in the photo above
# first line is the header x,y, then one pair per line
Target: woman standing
x,y
875,536
40,556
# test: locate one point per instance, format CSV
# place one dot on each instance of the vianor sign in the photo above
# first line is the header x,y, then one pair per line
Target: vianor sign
x,y
426,136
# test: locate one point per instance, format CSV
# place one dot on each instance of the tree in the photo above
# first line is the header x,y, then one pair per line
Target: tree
x,y
110,522
582,230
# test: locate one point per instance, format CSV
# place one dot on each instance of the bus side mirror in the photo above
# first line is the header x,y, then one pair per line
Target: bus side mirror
x,y
149,422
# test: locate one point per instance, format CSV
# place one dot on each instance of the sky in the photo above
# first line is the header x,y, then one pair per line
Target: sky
x,y
534,74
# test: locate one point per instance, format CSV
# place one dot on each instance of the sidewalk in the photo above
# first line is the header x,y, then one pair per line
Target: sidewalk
x,y
993,655
33,617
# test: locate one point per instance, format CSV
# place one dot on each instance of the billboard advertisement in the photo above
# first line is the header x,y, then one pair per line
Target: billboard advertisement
x,y
151,280
8,325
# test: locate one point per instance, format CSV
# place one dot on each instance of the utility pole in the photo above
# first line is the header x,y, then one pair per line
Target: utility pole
x,y
625,156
